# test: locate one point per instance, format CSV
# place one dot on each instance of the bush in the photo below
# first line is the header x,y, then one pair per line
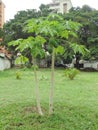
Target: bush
x,y
18,75
71,73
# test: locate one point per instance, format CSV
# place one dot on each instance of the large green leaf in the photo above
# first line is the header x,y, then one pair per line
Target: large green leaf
x,y
65,34
15,43
59,50
79,48
21,60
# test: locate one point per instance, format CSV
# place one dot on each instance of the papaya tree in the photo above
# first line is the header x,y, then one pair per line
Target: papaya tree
x,y
34,44
53,28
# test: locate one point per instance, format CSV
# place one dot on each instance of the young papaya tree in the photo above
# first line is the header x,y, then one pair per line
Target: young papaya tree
x,y
53,28
34,44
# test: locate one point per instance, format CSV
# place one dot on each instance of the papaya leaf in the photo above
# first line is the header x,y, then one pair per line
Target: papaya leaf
x,y
59,50
15,43
79,48
64,34
21,60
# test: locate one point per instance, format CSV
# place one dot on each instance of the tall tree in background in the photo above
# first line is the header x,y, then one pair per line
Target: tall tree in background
x,y
44,10
88,33
13,29
1,35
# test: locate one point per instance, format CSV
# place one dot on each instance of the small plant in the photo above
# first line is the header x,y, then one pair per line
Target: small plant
x,y
71,73
43,77
18,75
35,67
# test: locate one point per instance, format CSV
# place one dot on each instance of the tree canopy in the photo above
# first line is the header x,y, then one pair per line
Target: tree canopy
x,y
87,34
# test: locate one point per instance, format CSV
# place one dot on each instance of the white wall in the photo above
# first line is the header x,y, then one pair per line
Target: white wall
x,y
1,64
91,65
4,64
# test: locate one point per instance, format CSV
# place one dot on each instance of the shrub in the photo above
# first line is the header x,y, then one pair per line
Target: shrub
x,y
71,73
43,77
18,75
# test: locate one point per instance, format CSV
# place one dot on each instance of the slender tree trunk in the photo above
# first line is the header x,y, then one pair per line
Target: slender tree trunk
x,y
37,90
51,85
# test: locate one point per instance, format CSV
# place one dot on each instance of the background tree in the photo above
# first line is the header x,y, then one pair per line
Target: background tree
x,y
1,35
13,29
88,33
87,16
44,10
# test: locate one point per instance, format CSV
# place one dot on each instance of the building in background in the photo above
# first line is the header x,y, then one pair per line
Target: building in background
x,y
5,58
61,6
2,14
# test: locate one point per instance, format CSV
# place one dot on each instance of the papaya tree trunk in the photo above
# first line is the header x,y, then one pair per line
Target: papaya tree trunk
x,y
37,90
51,85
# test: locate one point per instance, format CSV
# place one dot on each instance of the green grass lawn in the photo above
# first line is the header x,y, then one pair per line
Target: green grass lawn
x,y
75,101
